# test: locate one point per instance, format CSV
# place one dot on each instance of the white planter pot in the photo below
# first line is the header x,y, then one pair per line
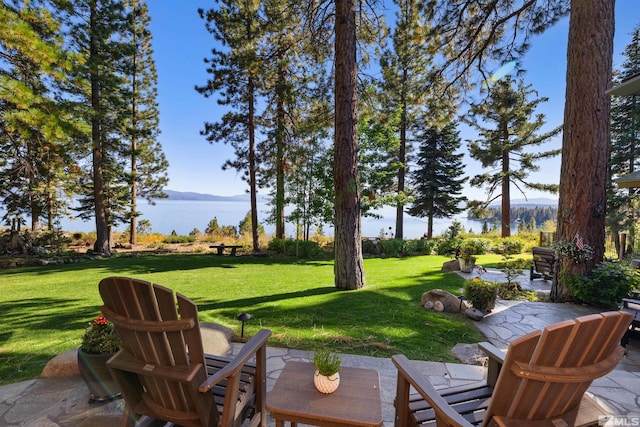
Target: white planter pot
x,y
326,384
466,265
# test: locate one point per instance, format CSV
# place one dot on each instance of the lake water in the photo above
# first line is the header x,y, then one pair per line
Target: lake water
x,y
182,216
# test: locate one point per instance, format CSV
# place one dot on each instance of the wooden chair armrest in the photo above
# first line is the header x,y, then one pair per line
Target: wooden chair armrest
x,y
492,351
496,360
445,414
124,361
256,343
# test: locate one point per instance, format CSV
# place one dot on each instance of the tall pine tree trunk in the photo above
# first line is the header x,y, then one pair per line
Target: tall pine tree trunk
x,y
280,142
101,245
402,159
133,235
348,267
506,187
252,167
585,141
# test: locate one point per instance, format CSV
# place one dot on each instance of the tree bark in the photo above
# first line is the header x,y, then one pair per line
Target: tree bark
x,y
101,245
348,267
585,142
506,187
402,158
253,185
280,150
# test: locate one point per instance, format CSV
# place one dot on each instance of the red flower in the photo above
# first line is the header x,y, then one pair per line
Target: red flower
x,y
101,320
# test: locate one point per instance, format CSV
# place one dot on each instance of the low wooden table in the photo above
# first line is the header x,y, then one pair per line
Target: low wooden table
x,y
294,398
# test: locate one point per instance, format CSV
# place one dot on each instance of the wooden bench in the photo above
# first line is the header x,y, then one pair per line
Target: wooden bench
x,y
544,260
220,249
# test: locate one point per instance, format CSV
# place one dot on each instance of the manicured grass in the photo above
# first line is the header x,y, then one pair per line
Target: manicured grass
x,y
44,310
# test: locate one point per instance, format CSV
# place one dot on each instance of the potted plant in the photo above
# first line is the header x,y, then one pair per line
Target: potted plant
x,y
99,342
327,375
482,294
466,259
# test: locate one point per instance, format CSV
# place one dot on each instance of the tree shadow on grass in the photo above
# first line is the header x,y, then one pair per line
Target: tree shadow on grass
x,y
159,263
43,314
248,302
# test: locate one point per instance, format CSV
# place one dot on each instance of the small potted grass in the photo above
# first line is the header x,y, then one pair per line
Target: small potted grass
x,y
327,375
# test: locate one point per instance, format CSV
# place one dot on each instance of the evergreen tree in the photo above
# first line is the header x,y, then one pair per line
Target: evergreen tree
x,y
438,178
622,204
292,78
473,38
148,164
100,35
234,77
508,112
585,139
37,127
348,266
404,71
378,142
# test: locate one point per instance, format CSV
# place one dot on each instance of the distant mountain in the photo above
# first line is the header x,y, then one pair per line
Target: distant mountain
x,y
188,195
529,203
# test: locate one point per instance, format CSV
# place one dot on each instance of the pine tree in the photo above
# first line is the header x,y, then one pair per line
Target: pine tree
x,y
473,38
405,70
99,33
438,178
503,141
378,142
292,75
234,77
148,164
348,266
37,127
585,138
622,204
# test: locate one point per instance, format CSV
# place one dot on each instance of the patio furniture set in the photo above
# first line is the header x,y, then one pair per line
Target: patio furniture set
x,y
165,376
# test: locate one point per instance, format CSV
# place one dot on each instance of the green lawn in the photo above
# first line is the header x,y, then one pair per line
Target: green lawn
x,y
43,310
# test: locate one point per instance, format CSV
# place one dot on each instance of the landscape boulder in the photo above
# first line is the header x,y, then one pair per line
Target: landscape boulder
x,y
453,265
470,354
216,338
439,300
62,365
474,313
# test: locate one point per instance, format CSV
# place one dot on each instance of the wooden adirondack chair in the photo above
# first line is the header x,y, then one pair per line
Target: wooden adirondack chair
x,y
544,261
162,369
542,381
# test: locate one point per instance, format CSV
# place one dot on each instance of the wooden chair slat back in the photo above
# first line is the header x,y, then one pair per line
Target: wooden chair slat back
x,y
147,302
581,343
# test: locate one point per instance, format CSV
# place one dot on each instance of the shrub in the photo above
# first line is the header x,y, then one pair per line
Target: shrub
x,y
474,246
370,247
179,239
447,245
426,246
511,246
392,247
481,293
508,292
608,283
409,247
305,249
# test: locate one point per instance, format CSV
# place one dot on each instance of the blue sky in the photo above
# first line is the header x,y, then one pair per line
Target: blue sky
x,y
181,42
